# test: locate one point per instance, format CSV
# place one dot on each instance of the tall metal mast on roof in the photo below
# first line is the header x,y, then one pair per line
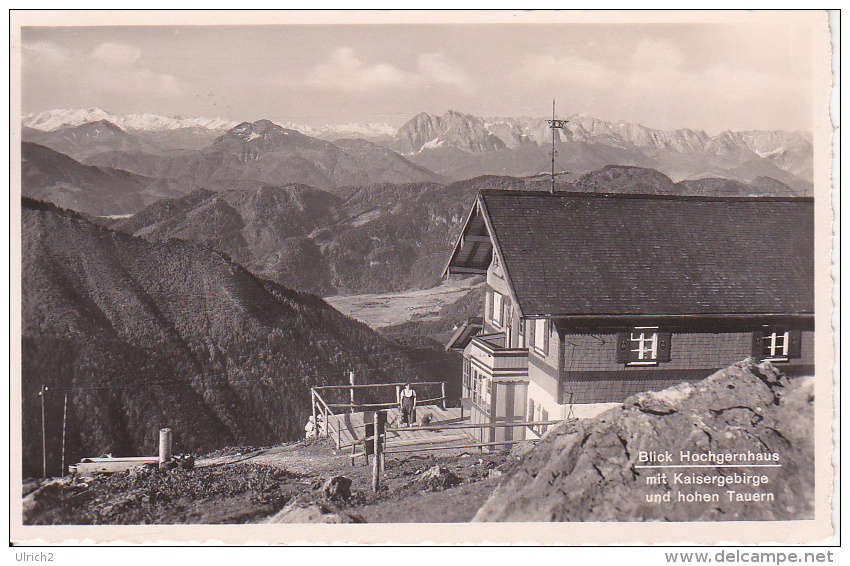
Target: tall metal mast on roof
x,y
554,124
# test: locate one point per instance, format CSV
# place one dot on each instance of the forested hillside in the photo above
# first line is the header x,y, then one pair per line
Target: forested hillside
x,y
378,238
142,335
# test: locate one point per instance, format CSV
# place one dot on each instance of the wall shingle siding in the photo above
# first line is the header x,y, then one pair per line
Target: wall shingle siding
x,y
590,373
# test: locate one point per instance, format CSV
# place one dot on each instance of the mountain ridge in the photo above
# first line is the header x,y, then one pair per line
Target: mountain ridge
x,y
683,153
380,238
143,335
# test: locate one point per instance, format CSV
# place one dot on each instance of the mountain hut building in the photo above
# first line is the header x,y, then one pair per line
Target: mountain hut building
x,y
594,297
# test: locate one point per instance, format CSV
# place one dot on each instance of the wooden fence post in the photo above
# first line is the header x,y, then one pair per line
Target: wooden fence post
x,y
443,388
313,410
379,420
351,380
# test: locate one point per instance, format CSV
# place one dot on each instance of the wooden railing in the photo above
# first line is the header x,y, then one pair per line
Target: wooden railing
x,y
379,450
333,429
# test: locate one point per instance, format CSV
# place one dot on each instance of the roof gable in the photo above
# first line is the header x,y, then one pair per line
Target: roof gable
x,y
574,254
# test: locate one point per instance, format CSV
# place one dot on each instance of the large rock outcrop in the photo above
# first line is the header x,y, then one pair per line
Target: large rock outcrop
x,y
637,462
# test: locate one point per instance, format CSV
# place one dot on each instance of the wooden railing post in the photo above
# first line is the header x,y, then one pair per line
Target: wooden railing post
x,y
379,420
351,380
313,410
443,388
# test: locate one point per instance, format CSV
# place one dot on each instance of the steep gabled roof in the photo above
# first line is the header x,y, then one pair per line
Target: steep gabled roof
x,y
575,254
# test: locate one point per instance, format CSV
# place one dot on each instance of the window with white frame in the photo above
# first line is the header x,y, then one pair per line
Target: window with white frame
x,y
643,346
777,344
541,335
497,309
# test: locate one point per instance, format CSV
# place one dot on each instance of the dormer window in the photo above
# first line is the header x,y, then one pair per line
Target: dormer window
x,y
643,346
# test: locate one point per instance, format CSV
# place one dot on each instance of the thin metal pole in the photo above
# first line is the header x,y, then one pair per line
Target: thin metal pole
x,y
43,435
553,146
64,421
554,123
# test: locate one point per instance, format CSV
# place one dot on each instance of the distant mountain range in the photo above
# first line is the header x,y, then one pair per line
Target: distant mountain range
x,y
460,146
378,238
259,152
353,216
51,120
143,335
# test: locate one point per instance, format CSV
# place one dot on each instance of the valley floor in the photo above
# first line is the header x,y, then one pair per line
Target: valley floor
x,y
387,309
248,485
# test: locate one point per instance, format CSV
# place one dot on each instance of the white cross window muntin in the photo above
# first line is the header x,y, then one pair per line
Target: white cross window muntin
x,y
644,343
776,345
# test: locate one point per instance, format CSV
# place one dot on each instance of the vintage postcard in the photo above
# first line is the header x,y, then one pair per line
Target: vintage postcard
x,y
384,277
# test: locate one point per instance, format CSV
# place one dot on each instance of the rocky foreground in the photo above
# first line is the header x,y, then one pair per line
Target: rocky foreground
x,y
618,466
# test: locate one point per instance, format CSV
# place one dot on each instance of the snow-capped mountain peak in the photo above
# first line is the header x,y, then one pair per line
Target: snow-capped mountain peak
x,y
51,120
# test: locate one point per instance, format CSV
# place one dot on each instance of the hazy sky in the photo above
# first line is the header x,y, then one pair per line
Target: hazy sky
x,y
712,77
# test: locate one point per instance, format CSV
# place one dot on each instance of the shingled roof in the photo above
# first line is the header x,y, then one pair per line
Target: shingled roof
x,y
569,254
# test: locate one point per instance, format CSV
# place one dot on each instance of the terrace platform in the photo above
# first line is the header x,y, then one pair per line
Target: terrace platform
x,y
352,428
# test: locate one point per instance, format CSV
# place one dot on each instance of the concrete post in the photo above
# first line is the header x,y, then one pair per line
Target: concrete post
x,y
164,445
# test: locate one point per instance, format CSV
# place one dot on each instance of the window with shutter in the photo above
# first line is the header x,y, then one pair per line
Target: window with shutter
x,y
643,346
777,344
623,347
663,352
546,333
795,343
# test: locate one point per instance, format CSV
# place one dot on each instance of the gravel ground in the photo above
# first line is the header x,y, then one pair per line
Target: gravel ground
x,y
251,484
